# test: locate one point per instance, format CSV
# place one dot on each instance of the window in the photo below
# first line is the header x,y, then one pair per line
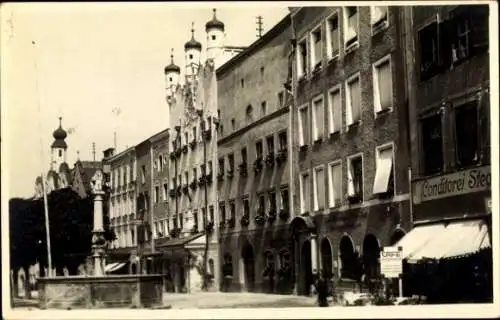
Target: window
x,y
221,165
280,98
195,175
262,71
222,211
469,32
428,39
262,204
60,153
432,147
181,221
333,37
282,137
203,217
378,17
160,163
249,113
230,159
125,176
318,119
353,103
232,209
186,178
214,37
244,155
304,192
334,110
157,194
302,58
210,167
246,207
259,149
173,183
303,126
382,85
212,213
319,188
466,131
190,57
165,191
263,107
355,179
270,144
335,183
384,175
242,83
350,26
143,174
233,124
272,201
316,49
195,135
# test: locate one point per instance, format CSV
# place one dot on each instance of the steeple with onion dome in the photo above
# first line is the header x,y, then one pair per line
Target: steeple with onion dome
x,y
58,147
215,37
192,50
172,74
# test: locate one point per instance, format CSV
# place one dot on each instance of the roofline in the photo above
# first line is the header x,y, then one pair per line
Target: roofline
x,y
267,37
159,135
120,155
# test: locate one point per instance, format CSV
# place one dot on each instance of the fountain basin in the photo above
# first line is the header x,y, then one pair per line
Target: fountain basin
x,y
111,291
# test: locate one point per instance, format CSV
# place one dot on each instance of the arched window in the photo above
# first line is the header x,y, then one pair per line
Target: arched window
x,y
349,262
161,163
249,113
326,258
227,269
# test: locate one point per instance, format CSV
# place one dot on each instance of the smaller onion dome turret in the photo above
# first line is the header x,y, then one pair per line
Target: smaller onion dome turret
x,y
214,23
59,136
192,44
172,67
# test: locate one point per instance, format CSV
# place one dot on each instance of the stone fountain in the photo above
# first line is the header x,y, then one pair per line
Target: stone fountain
x,y
100,290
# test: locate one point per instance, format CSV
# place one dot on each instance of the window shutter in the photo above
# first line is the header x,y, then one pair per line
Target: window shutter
x,y
385,85
320,185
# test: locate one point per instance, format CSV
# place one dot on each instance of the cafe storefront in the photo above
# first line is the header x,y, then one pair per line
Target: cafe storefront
x,y
447,254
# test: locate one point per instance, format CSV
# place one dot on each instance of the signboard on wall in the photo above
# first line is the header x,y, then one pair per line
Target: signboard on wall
x,y
454,184
391,262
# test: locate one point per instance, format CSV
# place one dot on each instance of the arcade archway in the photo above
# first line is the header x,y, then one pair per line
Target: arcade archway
x,y
326,258
371,256
305,269
348,259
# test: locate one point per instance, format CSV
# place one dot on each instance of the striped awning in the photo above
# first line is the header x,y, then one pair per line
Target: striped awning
x,y
438,241
114,266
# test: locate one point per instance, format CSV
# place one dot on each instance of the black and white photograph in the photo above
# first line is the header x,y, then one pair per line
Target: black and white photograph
x,y
249,159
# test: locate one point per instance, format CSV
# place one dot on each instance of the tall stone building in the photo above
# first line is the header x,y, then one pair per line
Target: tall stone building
x,y
253,175
349,118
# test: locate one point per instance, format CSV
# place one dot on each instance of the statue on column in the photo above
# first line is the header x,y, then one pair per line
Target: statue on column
x,y
98,240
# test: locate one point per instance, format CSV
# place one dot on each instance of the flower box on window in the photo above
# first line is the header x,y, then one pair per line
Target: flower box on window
x,y
220,176
192,144
185,189
208,178
281,156
179,190
195,229
178,152
222,224
201,181
260,219
245,220
257,165
231,223
193,185
175,232
172,155
284,214
185,149
209,228
230,173
270,159
271,215
207,135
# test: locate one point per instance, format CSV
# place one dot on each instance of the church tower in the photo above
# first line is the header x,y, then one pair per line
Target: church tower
x,y
215,37
192,50
58,148
172,76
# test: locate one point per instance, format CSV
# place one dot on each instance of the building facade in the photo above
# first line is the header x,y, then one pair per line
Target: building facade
x,y
253,173
350,120
449,105
160,154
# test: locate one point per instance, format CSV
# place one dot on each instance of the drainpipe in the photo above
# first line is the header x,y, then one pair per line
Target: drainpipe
x,y
151,206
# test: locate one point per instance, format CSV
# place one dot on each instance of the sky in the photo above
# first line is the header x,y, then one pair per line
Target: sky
x,y
90,58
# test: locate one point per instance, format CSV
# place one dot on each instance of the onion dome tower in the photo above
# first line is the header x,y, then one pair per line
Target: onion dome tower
x,y
215,36
192,50
58,147
172,75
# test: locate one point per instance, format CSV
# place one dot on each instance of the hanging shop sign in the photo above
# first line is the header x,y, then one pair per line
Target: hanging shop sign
x,y
391,262
457,183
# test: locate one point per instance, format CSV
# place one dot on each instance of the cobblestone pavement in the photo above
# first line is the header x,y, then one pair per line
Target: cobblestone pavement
x,y
203,300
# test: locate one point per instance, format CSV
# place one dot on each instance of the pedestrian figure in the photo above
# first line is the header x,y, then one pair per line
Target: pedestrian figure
x,y
322,290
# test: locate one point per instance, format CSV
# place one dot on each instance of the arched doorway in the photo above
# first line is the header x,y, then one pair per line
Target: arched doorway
x,y
349,268
371,256
326,258
248,266
306,268
396,236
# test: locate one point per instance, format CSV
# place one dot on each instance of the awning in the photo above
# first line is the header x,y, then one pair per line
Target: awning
x,y
437,241
114,266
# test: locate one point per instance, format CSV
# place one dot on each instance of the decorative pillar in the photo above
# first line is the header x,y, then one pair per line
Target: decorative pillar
x,y
314,254
98,241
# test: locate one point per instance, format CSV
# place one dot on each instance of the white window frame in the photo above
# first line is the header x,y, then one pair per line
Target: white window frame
x,y
377,108
331,122
374,22
301,189
315,186
301,130
300,73
312,49
331,198
383,147
348,107
345,23
157,194
349,160
165,191
315,134
329,50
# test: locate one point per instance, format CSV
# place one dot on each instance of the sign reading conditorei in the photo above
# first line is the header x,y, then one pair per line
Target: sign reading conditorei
x,y
457,183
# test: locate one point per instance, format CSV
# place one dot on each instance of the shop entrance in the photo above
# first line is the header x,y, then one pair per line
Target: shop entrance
x,y
306,268
248,266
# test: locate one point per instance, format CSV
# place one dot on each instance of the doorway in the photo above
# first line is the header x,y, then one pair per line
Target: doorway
x,y
248,266
306,268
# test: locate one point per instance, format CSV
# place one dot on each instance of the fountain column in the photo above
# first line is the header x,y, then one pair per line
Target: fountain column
x,y
98,241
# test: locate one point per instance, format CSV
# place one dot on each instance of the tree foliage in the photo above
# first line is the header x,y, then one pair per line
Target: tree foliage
x,y
71,224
